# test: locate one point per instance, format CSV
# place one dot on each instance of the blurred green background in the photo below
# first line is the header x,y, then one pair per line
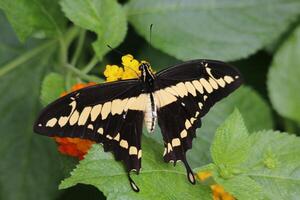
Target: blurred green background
x,y
69,38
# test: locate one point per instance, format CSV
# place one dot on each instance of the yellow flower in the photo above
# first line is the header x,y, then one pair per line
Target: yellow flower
x,y
129,74
113,73
218,191
131,67
129,61
129,70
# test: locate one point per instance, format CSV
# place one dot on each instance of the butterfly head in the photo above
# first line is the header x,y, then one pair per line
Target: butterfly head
x,y
147,75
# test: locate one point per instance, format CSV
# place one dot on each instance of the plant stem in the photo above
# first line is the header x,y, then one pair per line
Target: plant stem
x,y
82,74
71,34
68,78
25,57
63,52
90,65
78,47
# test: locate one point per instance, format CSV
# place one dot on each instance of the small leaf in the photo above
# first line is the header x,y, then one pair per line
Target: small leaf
x,y
283,78
274,163
52,87
106,18
39,17
231,144
157,180
255,111
224,30
241,187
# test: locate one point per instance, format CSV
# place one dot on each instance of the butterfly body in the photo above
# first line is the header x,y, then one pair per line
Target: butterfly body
x,y
113,113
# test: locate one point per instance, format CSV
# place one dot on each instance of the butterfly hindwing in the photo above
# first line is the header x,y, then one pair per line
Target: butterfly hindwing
x,y
110,114
185,93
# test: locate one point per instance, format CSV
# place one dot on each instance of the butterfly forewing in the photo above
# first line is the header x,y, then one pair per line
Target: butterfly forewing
x,y
111,114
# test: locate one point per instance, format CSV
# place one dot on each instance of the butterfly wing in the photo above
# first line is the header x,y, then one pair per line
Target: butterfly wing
x,y
110,113
185,93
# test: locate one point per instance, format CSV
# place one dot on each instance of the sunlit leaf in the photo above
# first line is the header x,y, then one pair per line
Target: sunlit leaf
x,y
157,179
39,17
274,163
225,30
106,18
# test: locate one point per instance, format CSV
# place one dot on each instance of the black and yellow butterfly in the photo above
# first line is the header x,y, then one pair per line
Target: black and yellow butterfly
x,y
113,113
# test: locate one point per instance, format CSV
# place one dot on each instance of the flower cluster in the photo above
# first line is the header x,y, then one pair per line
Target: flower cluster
x,y
129,69
74,147
218,191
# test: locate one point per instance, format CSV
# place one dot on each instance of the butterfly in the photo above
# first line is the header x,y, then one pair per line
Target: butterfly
x,y
114,113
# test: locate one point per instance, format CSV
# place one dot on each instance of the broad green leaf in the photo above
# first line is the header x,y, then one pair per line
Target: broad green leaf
x,y
157,180
29,166
255,111
274,163
225,30
242,187
283,78
39,17
231,144
52,87
106,18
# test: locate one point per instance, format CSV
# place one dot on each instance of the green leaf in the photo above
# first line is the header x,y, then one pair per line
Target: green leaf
x,y
283,78
106,18
255,111
52,87
274,163
225,30
241,187
39,17
157,180
231,144
29,166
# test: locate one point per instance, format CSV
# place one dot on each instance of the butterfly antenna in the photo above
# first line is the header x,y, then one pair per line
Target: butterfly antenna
x,y
150,34
115,50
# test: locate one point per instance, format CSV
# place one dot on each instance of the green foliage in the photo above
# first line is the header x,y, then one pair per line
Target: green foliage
x,y
157,180
284,77
63,42
267,165
27,160
39,17
52,87
231,145
106,18
226,30
274,163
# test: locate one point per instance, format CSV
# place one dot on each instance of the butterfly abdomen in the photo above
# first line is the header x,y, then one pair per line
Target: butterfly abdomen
x,y
150,117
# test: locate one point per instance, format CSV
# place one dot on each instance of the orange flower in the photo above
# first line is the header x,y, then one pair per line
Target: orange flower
x,y
75,147
218,191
